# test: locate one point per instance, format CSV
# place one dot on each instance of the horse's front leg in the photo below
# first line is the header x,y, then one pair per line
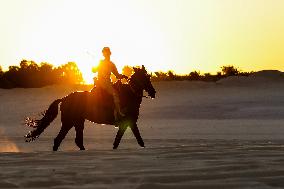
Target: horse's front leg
x,y
136,133
119,135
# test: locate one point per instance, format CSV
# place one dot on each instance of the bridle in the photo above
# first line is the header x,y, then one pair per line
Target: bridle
x,y
131,83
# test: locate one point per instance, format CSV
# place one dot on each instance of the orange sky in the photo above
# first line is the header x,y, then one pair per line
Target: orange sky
x,y
182,35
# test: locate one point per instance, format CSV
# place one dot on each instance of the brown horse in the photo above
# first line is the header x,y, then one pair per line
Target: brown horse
x,y
97,106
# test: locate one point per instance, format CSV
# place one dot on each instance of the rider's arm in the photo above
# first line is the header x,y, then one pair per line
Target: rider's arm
x,y
114,71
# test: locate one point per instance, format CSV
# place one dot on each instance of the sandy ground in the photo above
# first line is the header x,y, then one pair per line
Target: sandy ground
x,y
228,134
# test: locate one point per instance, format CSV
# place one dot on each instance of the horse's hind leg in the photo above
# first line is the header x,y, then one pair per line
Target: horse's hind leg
x,y
61,135
79,128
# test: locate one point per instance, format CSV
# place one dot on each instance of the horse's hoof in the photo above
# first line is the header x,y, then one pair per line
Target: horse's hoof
x,y
55,148
142,145
82,148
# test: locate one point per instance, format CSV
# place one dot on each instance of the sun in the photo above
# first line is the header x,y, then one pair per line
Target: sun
x,y
86,65
87,75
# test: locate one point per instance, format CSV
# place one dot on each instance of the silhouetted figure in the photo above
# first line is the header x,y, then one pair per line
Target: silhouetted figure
x,y
98,107
104,69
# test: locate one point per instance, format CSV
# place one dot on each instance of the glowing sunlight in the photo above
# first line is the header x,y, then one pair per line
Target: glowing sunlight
x,y
163,35
64,31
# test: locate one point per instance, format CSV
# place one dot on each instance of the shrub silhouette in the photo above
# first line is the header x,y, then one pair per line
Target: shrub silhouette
x,y
30,74
230,70
196,76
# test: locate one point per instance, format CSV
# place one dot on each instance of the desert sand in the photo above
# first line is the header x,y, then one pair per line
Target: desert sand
x,y
228,134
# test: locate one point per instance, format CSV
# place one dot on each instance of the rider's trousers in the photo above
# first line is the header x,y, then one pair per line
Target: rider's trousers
x,y
107,86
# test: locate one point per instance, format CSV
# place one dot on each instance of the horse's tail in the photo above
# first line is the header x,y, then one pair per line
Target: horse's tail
x,y
43,123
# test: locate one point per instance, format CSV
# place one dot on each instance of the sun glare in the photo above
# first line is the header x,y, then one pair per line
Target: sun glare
x,y
87,75
162,35
65,31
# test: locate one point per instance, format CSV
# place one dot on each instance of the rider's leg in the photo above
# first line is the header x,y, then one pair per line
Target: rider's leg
x,y
117,111
117,103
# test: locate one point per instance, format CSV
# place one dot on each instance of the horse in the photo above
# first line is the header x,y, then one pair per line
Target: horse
x,y
98,107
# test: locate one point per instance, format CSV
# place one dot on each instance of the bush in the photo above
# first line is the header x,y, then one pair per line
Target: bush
x,y
30,74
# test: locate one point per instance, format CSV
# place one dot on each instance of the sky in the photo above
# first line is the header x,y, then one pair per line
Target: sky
x,y
178,35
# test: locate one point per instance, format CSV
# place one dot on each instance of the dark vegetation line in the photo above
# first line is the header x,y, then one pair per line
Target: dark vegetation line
x,y
226,71
29,74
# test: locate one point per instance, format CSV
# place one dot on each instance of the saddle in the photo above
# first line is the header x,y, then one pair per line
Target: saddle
x,y
102,97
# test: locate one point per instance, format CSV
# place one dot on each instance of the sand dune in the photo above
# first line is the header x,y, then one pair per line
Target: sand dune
x,y
261,78
227,134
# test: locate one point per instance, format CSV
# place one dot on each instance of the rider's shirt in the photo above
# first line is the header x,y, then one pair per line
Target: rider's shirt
x,y
104,69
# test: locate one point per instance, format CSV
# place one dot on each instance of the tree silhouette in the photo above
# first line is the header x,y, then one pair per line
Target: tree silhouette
x,y
1,71
30,74
4,83
161,75
70,73
194,75
229,70
24,64
171,75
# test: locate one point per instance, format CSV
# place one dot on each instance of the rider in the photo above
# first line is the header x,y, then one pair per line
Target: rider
x,y
104,69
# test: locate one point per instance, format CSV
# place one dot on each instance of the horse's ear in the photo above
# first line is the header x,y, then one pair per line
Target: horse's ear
x,y
143,67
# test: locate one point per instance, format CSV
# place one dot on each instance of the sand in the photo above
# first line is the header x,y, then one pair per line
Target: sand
x,y
228,134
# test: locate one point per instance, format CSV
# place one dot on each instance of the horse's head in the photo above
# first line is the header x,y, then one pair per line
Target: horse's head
x,y
142,80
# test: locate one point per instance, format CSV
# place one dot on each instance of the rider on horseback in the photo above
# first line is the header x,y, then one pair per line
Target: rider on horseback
x,y
104,69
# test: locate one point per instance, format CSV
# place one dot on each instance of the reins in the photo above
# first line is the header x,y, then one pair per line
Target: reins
x,y
134,91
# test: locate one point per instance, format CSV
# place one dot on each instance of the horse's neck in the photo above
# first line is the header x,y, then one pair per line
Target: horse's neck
x,y
135,89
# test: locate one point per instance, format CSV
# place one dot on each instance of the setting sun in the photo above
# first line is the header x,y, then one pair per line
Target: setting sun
x,y
62,31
